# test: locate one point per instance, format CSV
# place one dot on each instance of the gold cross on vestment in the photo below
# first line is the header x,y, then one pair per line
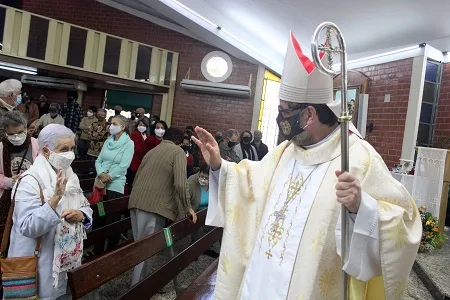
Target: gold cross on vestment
x,y
269,254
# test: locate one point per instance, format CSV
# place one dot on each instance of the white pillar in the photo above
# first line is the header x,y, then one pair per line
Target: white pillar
x,y
413,112
258,96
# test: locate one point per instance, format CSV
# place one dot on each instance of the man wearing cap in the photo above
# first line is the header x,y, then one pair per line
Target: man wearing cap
x,y
282,215
10,97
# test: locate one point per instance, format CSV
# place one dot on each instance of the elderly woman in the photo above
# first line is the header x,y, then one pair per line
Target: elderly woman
x,y
61,221
17,153
115,158
112,165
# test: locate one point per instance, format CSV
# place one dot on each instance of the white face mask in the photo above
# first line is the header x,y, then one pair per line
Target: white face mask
x,y
61,161
203,181
17,139
113,129
160,132
142,129
90,113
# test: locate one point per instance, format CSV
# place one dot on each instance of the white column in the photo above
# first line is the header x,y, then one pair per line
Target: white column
x,y
413,112
258,96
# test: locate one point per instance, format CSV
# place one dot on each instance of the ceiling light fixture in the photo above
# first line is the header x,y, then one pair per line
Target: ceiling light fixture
x,y
381,55
18,68
174,4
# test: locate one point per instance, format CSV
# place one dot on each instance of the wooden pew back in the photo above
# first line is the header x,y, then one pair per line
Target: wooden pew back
x,y
92,275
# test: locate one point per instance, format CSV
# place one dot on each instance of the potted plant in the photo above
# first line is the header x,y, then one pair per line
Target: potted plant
x,y
431,237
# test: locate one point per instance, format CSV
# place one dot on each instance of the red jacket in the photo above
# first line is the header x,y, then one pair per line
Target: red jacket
x,y
140,149
151,142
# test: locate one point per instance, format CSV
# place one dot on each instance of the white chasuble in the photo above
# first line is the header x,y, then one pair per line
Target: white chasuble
x,y
279,239
280,233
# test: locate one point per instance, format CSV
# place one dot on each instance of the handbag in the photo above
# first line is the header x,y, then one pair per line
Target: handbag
x,y
98,192
19,274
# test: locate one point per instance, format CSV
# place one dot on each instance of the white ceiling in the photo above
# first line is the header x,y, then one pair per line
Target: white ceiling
x,y
259,28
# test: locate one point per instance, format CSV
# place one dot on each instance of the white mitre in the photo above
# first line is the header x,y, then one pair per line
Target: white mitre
x,y
302,82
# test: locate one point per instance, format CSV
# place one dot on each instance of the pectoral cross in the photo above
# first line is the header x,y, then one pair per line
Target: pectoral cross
x,y
269,254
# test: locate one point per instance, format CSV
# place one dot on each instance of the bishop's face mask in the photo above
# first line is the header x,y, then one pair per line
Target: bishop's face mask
x,y
290,126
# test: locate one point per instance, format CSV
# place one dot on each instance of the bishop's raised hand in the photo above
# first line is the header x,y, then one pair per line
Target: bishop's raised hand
x,y
209,148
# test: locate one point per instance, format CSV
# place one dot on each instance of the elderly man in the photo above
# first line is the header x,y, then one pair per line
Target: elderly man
x,y
10,97
226,147
159,192
261,148
282,215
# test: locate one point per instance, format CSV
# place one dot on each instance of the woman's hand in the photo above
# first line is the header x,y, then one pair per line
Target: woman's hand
x,y
60,188
105,178
193,215
209,148
61,183
72,215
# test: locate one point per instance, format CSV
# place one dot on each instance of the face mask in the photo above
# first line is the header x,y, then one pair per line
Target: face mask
x,y
231,144
17,139
61,161
142,129
246,139
203,181
90,113
18,100
53,115
100,118
113,129
117,112
160,132
290,127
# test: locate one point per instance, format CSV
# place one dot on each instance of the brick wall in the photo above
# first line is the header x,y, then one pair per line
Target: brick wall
x,y
389,118
442,129
211,112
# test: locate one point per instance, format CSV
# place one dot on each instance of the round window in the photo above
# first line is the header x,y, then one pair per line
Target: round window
x,y
216,66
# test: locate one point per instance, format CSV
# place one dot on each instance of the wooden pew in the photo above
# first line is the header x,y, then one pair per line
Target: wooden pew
x,y
92,275
203,287
84,169
99,235
87,184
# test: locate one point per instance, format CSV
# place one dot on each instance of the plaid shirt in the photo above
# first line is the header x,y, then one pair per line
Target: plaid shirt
x,y
72,114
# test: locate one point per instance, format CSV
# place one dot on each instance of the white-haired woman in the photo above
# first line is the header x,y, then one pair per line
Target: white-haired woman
x,y
61,221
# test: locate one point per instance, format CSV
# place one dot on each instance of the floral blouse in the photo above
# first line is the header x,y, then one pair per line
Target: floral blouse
x,y
98,133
